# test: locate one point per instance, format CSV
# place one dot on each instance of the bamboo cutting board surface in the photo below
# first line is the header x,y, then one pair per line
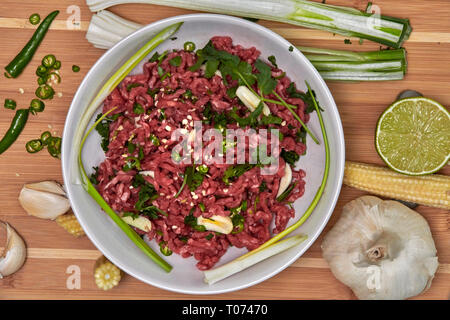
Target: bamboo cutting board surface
x,y
51,250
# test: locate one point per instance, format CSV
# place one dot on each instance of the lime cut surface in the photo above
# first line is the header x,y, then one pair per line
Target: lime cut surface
x,y
413,136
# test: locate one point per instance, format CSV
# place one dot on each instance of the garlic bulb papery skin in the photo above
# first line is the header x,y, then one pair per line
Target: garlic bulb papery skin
x,y
46,199
381,250
14,253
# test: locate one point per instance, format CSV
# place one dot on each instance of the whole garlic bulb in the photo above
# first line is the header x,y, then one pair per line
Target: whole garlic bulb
x,y
381,250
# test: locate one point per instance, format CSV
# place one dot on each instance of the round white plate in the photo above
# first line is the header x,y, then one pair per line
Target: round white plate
x,y
185,277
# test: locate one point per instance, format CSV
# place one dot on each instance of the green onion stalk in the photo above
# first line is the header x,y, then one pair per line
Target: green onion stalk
x,y
345,21
80,139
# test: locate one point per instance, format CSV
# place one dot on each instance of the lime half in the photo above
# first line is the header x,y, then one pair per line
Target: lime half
x,y
413,136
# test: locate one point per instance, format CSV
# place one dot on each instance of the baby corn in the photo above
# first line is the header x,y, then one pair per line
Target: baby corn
x,y
70,223
431,190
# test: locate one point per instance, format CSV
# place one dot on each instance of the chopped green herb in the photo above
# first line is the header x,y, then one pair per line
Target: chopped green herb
x,y
209,236
291,157
154,139
291,48
202,207
286,192
273,61
266,83
306,97
191,221
138,108
176,61
94,176
133,85
236,171
347,41
263,186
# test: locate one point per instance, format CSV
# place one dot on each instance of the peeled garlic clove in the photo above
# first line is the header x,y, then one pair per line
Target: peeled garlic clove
x,y
216,223
250,100
44,200
381,249
286,180
47,186
14,254
140,222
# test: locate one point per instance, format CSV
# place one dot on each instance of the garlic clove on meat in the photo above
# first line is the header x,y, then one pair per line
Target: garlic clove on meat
x,y
142,223
381,249
14,254
286,180
44,199
148,173
216,223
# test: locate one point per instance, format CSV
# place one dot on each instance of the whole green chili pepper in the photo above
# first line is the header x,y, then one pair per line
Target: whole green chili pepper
x,y
49,61
34,146
45,136
10,104
16,66
35,19
36,105
17,125
45,92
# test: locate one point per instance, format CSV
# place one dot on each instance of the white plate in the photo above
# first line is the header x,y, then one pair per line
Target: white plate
x,y
185,277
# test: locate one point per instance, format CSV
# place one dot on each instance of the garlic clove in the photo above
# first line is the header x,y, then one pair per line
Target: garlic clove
x,y
216,223
250,100
381,249
142,223
47,186
286,180
44,200
14,254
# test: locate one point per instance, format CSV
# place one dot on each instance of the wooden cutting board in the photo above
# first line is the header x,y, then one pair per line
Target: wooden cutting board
x,y
51,251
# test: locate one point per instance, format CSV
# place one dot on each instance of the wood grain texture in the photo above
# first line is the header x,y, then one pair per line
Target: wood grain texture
x,y
52,250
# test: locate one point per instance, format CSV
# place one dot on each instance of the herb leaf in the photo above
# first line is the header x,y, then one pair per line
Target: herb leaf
x,y
265,81
291,157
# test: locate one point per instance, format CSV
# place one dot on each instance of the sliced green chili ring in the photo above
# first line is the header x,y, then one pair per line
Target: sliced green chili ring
x,y
75,68
189,46
34,146
45,137
54,146
44,92
42,80
10,104
164,248
34,19
49,61
41,71
57,65
36,106
54,74
17,125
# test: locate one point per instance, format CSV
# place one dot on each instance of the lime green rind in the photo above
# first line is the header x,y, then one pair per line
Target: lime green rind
x,y
87,185
383,157
319,192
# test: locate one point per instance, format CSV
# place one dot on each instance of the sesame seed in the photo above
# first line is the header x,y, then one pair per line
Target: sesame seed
x,y
225,190
59,94
195,197
168,128
283,123
203,192
21,90
164,140
185,121
189,117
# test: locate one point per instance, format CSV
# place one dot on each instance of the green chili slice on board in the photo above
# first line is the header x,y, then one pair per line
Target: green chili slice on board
x,y
10,104
16,66
53,75
45,136
34,146
42,80
57,65
45,92
36,106
75,68
34,19
49,60
54,146
41,71
17,125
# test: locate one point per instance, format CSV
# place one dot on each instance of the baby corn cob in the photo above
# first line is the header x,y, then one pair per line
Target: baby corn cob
x,y
431,190
106,274
69,222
